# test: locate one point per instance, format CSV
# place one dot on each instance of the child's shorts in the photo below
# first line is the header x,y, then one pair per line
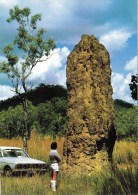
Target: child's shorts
x,y
55,166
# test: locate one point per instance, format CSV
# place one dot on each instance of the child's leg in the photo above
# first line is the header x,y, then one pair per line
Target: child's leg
x,y
54,176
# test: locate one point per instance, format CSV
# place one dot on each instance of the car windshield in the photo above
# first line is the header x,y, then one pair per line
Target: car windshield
x,y
14,153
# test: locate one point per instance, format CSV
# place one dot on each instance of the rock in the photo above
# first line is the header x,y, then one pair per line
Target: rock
x,y
91,134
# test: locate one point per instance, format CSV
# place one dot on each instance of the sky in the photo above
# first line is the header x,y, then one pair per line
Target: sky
x,y
113,22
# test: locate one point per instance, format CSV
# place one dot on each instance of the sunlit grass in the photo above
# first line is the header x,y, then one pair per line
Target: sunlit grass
x,y
125,152
123,180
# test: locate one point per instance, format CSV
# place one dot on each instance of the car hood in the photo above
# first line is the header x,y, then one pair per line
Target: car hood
x,y
22,160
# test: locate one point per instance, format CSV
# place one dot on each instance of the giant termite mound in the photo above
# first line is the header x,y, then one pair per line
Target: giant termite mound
x,y
91,134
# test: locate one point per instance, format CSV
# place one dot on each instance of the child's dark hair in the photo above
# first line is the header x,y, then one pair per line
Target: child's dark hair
x,y
54,145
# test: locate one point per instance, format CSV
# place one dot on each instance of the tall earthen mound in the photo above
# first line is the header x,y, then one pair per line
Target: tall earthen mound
x,y
91,134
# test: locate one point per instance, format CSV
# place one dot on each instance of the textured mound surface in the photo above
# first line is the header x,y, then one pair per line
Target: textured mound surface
x,y
91,134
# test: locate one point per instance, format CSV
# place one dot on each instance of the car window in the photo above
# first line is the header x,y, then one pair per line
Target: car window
x,y
9,153
20,153
14,153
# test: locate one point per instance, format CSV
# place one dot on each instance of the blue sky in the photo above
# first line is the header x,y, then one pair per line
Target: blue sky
x,y
113,22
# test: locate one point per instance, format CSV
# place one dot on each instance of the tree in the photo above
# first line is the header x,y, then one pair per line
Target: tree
x,y
23,54
52,117
133,86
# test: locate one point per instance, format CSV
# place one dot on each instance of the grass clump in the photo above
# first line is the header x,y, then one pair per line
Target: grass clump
x,y
120,182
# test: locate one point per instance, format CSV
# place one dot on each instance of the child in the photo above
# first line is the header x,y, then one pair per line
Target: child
x,y
55,159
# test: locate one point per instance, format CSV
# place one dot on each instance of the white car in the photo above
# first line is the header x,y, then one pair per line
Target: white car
x,y
15,160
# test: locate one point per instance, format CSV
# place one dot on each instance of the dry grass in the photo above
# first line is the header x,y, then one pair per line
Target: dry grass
x,y
122,182
38,147
125,153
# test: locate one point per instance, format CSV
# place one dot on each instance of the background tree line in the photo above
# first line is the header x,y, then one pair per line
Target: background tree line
x,y
37,95
47,114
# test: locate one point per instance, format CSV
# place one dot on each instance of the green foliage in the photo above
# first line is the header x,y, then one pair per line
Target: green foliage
x,y
120,104
52,117
126,121
47,114
12,121
133,86
47,118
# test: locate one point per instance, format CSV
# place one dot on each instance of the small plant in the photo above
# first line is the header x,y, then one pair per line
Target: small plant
x,y
120,159
130,157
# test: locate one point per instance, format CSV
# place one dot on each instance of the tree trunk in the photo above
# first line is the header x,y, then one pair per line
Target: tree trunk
x,y
26,130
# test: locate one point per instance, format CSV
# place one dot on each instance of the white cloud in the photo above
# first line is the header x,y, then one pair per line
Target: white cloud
x,y
8,2
61,77
5,92
115,40
66,20
62,19
132,65
120,84
52,71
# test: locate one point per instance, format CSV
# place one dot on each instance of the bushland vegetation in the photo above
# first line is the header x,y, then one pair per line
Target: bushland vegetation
x,y
47,107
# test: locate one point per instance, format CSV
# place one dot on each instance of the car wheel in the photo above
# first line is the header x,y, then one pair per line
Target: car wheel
x,y
7,172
